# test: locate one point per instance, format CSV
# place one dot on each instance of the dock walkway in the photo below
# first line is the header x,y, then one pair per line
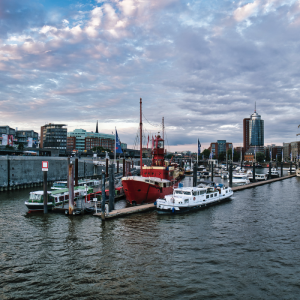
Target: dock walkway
x,y
147,207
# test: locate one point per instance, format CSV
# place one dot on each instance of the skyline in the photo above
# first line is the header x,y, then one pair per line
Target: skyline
x,y
201,65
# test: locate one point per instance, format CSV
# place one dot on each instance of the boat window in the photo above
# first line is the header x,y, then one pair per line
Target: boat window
x,y
187,193
186,200
202,192
215,195
211,195
178,192
195,193
207,196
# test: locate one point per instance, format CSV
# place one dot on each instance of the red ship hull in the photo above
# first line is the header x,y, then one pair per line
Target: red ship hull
x,y
139,192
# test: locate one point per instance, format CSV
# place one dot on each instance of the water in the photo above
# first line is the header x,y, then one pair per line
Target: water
x,y
247,248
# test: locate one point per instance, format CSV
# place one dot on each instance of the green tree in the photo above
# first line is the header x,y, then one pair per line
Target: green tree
x,y
9,147
206,153
21,146
221,156
260,157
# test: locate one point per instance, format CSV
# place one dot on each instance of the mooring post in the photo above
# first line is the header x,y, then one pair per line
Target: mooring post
x,y
253,172
111,188
281,171
290,168
106,168
195,175
117,167
8,172
76,171
103,197
212,171
45,193
71,189
230,175
123,167
270,165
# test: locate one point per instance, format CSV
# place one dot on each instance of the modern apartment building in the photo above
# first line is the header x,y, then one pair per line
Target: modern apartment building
x,y
54,136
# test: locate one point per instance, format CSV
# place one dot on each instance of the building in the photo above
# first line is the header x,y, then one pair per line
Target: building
x,y
286,151
71,143
253,132
10,132
246,144
221,146
88,140
54,136
28,138
274,152
250,155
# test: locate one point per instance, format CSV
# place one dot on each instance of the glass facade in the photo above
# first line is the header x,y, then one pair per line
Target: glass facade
x,y
221,146
256,130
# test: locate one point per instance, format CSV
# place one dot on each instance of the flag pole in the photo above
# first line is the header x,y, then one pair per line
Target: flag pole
x,y
115,144
197,151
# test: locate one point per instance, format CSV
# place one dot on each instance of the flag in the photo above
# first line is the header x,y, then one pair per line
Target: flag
x,y
118,144
291,155
199,147
232,152
270,154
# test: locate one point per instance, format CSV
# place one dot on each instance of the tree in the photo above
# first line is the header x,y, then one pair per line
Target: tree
x,y
221,156
9,147
20,146
260,157
206,153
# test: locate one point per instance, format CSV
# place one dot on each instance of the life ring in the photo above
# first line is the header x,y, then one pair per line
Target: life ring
x,y
194,198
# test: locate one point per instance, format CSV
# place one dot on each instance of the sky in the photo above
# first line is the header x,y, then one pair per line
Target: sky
x,y
201,65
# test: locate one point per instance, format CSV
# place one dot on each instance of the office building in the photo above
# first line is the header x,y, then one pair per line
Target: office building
x,y
54,136
253,132
221,146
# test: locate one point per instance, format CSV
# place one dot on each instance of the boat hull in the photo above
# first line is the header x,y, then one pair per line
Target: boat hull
x,y
181,210
138,192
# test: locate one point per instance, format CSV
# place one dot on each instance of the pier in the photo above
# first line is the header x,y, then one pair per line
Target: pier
x,y
147,207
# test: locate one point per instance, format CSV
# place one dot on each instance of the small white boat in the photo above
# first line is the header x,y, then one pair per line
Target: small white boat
x,y
274,173
298,172
258,177
185,199
240,178
225,175
240,170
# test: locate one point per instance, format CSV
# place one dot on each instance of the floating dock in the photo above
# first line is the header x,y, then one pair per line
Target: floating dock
x,y
147,207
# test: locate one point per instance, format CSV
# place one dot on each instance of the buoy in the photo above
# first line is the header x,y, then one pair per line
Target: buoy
x,y
173,210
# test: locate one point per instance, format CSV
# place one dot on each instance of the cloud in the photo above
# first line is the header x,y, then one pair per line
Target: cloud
x,y
199,64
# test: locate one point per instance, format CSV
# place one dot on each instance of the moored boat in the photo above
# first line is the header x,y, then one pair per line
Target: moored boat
x,y
55,198
240,178
63,184
155,181
186,199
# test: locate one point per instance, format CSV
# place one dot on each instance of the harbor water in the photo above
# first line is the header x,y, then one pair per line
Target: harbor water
x,y
247,248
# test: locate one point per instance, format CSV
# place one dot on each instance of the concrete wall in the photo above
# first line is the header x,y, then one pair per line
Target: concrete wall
x,y
19,170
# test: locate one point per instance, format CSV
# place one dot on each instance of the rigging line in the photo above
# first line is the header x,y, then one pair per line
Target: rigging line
x,y
150,123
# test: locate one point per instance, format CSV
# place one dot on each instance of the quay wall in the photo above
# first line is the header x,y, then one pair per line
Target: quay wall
x,y
22,170
25,171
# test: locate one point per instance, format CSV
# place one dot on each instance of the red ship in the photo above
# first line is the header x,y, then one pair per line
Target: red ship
x,y
155,181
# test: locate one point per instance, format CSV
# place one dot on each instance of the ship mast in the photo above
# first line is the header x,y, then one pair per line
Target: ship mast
x,y
163,128
141,138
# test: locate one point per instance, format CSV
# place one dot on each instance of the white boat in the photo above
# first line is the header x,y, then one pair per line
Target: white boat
x,y
240,170
293,170
225,175
274,173
298,172
258,177
240,178
185,199
55,198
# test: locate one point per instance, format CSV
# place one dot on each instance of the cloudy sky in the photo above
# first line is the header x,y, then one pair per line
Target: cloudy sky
x,y
200,64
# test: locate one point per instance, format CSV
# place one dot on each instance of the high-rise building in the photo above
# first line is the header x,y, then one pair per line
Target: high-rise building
x,y
253,130
54,136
